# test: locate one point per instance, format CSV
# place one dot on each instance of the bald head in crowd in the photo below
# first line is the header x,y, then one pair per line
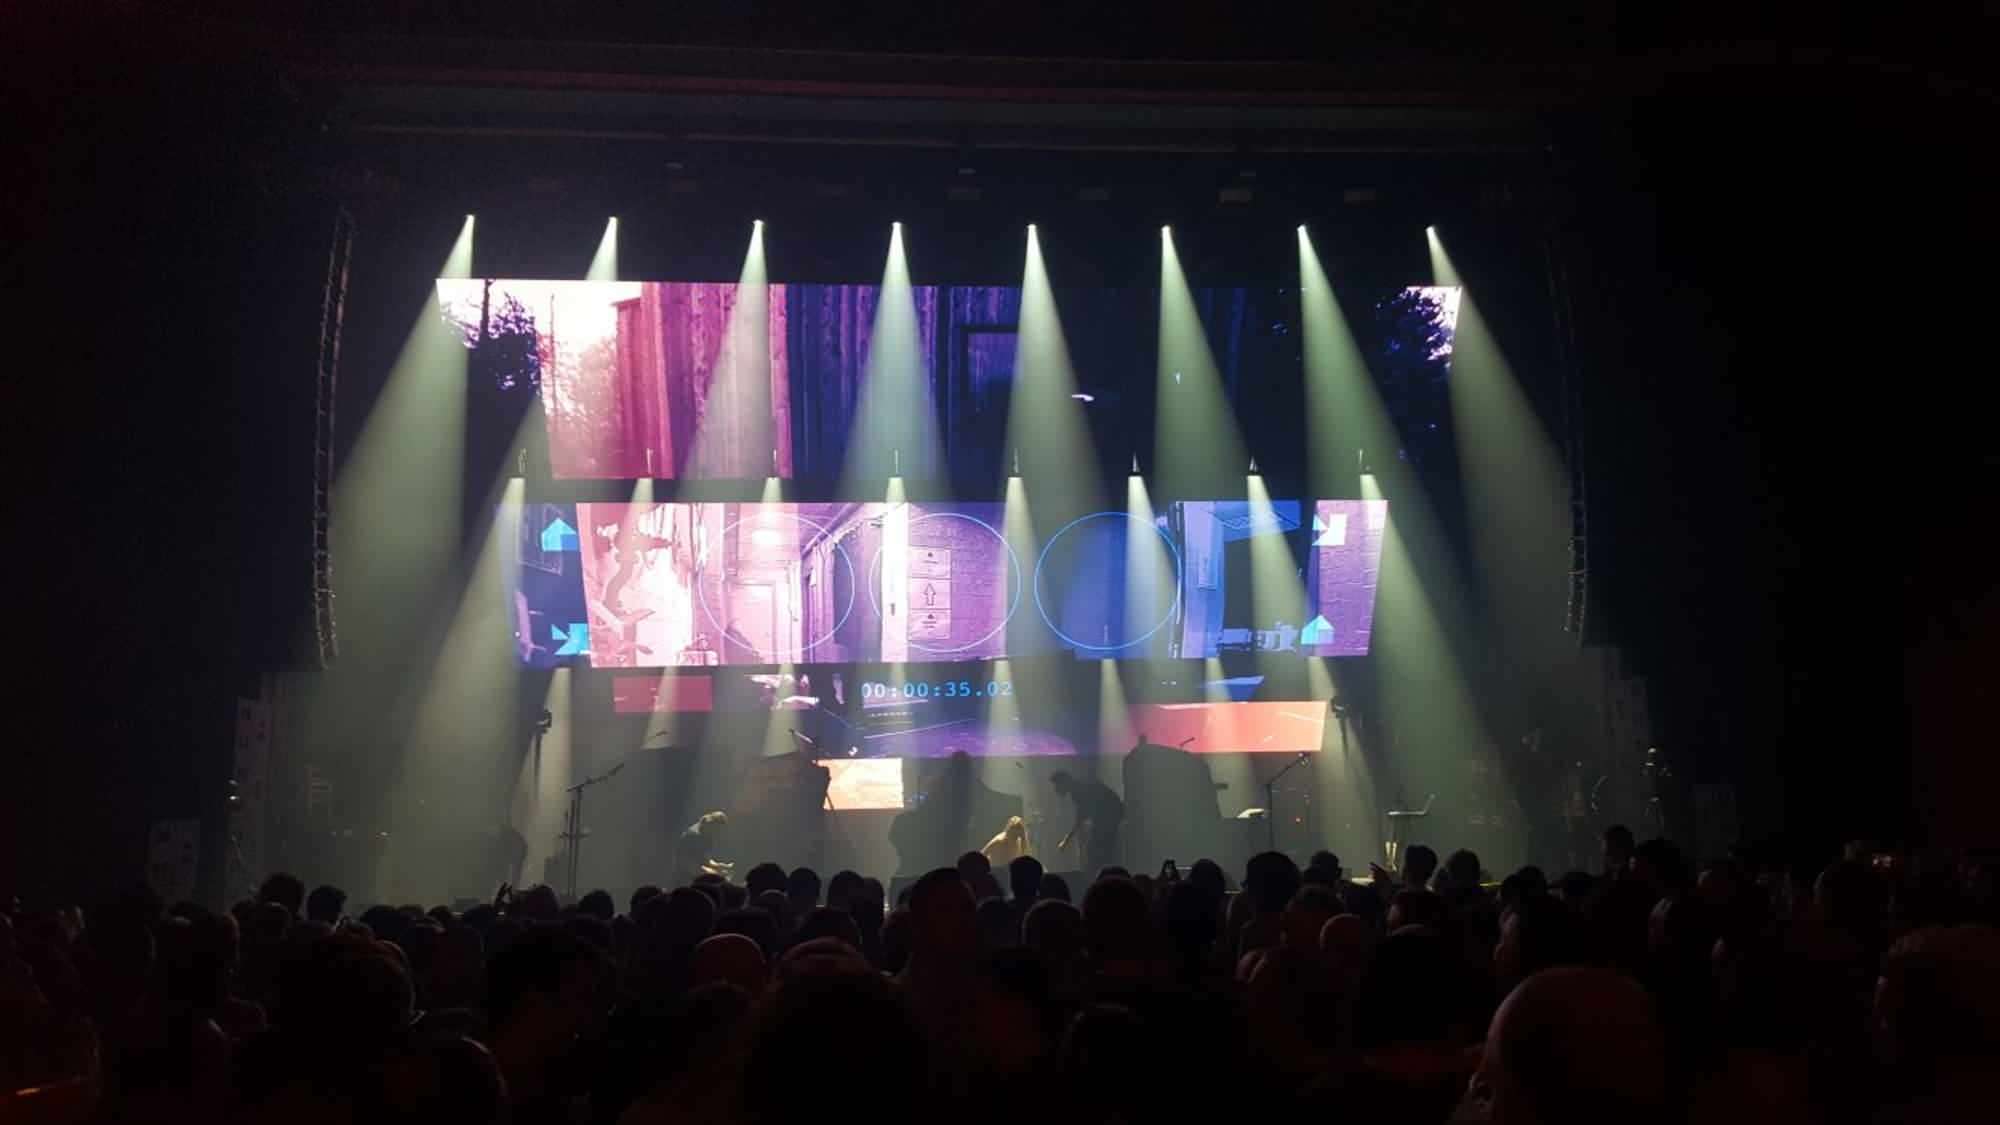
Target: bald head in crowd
x,y
1575,1046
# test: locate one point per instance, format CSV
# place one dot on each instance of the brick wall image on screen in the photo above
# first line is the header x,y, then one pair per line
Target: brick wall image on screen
x,y
1344,569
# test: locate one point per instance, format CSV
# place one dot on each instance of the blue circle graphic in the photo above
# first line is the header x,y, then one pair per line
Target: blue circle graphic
x,y
701,587
1042,559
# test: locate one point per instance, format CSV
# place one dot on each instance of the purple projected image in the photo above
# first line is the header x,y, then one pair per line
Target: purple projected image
x,y
641,379
715,584
1342,572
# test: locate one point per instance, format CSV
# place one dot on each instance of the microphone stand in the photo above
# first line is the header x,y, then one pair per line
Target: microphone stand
x,y
1271,797
572,833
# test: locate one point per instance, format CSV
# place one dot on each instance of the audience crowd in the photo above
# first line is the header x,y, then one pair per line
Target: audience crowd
x,y
1646,992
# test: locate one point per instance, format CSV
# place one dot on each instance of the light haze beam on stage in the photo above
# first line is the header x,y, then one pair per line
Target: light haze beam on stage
x,y
468,712
1516,490
1344,412
1439,730
1194,427
604,263
396,532
895,429
1150,576
738,435
1048,439
1277,589
541,791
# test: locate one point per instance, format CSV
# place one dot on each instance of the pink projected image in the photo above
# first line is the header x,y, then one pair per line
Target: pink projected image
x,y
646,379
717,584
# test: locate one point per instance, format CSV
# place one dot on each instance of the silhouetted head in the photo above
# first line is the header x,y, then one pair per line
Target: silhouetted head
x,y
1417,908
1938,1000
325,904
1062,782
547,984
1117,922
597,904
1270,879
286,890
1412,990
944,930
1311,907
1024,877
1539,933
1617,845
999,926
826,1023
1323,867
678,919
752,923
764,877
443,1081
1193,919
1419,864
1053,929
345,993
841,889
1662,864
972,865
731,958
1574,1046
829,922
1207,874
802,888
1462,869
1055,886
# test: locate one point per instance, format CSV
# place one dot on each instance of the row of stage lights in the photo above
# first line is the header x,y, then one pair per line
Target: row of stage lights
x,y
1166,231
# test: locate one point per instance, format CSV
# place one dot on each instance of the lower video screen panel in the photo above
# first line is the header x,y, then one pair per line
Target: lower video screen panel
x,y
638,694
863,784
1254,727
693,585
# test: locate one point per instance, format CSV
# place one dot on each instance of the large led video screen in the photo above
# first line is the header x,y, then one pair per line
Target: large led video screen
x,y
693,585
712,380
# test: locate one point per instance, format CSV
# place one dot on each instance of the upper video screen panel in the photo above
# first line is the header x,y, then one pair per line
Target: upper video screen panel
x,y
710,380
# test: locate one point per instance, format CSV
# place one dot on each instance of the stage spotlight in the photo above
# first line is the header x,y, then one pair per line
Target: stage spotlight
x,y
1253,467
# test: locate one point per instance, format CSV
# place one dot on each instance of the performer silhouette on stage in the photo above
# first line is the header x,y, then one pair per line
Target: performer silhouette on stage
x,y
1099,814
700,848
